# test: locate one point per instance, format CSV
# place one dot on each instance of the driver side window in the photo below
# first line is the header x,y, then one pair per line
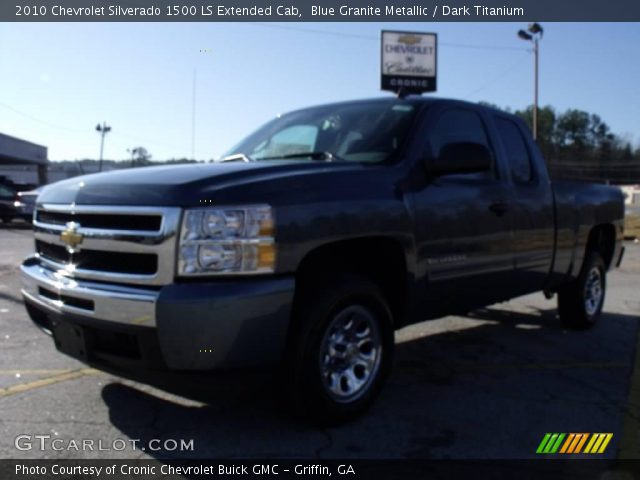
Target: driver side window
x,y
460,125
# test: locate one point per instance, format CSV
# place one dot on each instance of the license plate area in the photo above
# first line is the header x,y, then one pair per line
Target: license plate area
x,y
70,339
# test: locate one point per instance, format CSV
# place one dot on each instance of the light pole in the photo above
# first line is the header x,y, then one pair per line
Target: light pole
x,y
103,129
193,117
534,34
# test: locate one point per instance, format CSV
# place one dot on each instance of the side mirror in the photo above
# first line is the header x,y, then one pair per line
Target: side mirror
x,y
460,157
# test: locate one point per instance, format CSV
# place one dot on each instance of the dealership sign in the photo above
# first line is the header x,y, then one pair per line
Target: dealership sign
x,y
408,62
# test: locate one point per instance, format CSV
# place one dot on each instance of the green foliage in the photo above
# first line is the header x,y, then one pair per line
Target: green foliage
x,y
547,121
580,145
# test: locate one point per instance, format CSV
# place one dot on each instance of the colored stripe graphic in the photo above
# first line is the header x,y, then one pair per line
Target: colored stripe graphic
x,y
544,441
568,442
592,441
606,441
596,445
581,442
572,443
556,445
579,437
550,443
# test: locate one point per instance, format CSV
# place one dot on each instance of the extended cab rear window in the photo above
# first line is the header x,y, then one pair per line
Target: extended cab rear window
x,y
516,150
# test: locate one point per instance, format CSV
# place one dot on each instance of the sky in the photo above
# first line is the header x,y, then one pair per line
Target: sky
x,y
60,79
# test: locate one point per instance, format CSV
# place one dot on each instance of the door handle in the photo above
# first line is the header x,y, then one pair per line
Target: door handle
x,y
499,208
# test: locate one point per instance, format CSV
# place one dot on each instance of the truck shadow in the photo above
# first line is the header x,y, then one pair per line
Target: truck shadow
x,y
19,225
459,391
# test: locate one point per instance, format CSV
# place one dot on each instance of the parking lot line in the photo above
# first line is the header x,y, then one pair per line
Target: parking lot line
x,y
43,382
629,445
20,371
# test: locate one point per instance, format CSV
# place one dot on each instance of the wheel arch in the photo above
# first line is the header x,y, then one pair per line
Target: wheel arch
x,y
602,240
380,259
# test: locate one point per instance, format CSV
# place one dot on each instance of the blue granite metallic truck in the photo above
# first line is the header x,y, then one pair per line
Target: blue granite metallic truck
x,y
311,241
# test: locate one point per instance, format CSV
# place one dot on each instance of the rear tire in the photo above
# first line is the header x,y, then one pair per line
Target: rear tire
x,y
580,303
340,350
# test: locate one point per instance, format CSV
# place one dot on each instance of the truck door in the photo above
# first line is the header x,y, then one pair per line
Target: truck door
x,y
462,221
532,221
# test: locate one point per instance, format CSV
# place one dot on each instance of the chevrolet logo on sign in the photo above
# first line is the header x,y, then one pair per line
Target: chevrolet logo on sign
x,y
409,39
408,62
71,237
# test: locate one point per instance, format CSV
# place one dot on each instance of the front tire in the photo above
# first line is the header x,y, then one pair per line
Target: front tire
x,y
341,349
580,303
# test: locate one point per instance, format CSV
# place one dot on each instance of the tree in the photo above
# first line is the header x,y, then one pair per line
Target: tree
x,y
490,105
573,130
139,156
180,160
546,128
627,153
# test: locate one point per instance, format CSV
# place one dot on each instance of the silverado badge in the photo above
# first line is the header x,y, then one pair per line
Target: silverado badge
x,y
71,237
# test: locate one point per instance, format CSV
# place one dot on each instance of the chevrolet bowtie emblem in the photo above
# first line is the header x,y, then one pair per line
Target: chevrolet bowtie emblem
x,y
409,39
71,237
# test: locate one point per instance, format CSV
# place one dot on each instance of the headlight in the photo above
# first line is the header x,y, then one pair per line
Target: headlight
x,y
229,240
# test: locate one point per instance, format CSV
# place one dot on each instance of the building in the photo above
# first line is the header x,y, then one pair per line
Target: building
x,y
22,155
631,194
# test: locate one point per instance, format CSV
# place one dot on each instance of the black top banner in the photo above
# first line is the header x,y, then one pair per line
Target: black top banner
x,y
319,10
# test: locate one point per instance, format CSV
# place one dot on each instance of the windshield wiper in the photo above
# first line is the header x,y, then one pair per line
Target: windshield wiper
x,y
321,155
237,157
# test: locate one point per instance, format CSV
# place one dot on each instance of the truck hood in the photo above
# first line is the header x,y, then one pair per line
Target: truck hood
x,y
176,185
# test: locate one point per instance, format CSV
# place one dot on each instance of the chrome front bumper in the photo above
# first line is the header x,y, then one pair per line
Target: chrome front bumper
x,y
230,323
57,292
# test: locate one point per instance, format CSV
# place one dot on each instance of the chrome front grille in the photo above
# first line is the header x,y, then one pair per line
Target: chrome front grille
x,y
128,245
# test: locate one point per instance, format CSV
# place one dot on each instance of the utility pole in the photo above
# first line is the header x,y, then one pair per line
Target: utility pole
x,y
534,34
193,117
103,129
535,89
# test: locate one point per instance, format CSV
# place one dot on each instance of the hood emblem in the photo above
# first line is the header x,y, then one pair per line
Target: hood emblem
x,y
71,237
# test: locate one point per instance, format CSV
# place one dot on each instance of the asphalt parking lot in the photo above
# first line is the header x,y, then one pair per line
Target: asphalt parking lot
x,y
489,385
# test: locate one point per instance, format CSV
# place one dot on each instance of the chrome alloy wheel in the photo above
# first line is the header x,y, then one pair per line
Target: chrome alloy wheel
x,y
593,291
350,353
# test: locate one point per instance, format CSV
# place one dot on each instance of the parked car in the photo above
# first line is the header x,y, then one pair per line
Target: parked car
x,y
10,205
15,202
317,236
26,202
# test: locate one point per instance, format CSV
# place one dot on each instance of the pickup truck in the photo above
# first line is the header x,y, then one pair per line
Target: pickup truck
x,y
311,242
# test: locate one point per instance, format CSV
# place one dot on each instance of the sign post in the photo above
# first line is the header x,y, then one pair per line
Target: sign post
x,y
408,62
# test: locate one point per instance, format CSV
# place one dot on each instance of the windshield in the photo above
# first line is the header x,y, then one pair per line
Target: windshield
x,y
357,132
